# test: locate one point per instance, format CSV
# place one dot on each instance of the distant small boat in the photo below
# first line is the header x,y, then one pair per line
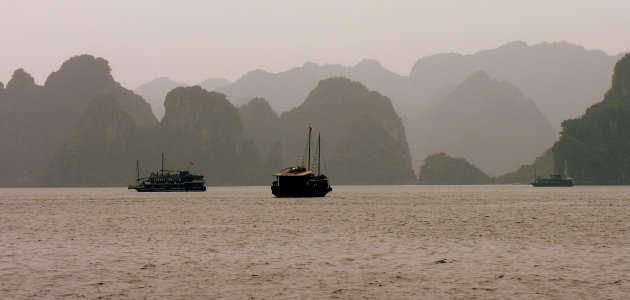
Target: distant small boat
x,y
300,181
169,181
553,180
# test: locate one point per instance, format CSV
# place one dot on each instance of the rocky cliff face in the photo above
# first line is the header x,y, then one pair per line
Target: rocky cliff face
x,y
102,151
199,126
81,78
204,127
37,120
202,118
260,124
595,146
27,131
362,136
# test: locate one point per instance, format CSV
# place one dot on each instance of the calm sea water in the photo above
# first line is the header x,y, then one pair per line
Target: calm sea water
x,y
358,242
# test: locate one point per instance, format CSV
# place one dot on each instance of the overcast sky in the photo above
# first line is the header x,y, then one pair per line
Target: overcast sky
x,y
189,41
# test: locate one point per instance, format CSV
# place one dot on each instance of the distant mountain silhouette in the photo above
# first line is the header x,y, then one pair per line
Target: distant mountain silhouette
x,y
596,145
154,92
363,139
442,169
36,120
286,90
489,123
562,79
212,84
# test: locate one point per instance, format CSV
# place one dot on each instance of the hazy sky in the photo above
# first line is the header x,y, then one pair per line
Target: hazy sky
x,y
189,41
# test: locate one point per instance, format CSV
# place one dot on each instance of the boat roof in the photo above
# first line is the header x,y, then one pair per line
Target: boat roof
x,y
286,173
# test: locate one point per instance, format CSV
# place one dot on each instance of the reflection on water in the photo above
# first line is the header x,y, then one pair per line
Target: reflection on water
x,y
373,242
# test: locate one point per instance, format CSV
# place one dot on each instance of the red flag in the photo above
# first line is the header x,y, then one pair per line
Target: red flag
x,y
192,163
310,129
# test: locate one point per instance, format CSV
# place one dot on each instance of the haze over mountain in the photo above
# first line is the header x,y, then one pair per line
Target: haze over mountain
x,y
36,120
212,84
285,90
561,78
596,145
489,123
155,91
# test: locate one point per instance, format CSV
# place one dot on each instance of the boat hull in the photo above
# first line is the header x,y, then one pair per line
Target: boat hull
x,y
301,192
568,184
167,188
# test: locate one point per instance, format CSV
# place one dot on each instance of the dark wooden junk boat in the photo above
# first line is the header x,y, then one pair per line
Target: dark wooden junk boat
x,y
300,181
169,181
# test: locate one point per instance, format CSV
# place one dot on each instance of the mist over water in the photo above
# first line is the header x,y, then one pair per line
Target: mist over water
x,y
373,242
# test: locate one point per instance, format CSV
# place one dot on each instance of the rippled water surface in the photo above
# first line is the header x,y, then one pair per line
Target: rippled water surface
x,y
358,242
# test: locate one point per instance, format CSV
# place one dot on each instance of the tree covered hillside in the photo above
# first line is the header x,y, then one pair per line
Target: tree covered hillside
x,y
596,146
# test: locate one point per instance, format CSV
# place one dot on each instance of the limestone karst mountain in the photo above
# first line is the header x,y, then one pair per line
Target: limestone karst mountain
x,y
199,126
489,123
27,130
260,124
442,169
155,91
561,78
36,120
206,128
362,136
103,149
83,77
595,146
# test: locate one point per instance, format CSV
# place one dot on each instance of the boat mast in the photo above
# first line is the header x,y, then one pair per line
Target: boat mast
x,y
319,151
309,148
138,170
162,164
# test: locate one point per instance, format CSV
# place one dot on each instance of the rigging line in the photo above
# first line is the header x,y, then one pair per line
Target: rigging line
x,y
304,156
325,168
